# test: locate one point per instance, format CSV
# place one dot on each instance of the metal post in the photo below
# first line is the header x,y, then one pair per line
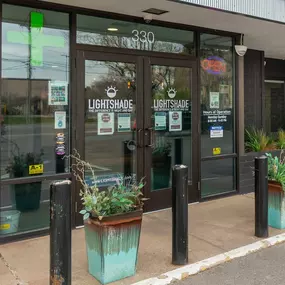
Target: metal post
x,y
60,233
261,197
180,215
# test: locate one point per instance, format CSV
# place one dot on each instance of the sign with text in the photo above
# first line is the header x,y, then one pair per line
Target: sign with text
x,y
216,132
36,169
217,116
171,104
105,123
110,104
217,151
214,65
214,100
58,93
175,121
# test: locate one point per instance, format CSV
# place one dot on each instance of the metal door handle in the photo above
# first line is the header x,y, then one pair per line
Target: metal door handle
x,y
139,138
151,137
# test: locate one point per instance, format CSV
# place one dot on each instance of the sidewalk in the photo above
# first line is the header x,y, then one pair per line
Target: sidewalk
x,y
214,227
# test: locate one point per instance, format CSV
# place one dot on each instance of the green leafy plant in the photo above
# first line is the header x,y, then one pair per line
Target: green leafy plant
x,y
257,140
117,199
281,139
276,169
163,149
19,164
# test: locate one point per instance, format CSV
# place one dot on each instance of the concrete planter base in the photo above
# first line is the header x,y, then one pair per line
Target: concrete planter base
x,y
112,246
276,205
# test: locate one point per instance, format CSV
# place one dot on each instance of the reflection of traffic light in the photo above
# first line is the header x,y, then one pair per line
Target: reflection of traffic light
x,y
129,84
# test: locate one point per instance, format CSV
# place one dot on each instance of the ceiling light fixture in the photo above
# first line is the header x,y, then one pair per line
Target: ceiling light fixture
x,y
155,11
112,29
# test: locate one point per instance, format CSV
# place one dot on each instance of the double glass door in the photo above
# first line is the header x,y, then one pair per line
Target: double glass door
x,y
135,120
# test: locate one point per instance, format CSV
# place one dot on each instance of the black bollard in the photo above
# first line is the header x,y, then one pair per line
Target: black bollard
x,y
261,196
60,233
180,215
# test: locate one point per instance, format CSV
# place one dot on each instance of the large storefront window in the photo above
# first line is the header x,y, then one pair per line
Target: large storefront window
x,y
34,111
131,35
217,114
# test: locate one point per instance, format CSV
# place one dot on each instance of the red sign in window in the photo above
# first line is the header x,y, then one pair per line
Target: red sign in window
x,y
214,65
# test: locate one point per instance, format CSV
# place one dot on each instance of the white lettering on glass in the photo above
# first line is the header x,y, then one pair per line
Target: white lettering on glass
x,y
143,36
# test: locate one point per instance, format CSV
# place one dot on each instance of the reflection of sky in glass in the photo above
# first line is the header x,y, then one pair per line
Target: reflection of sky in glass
x,y
94,31
15,57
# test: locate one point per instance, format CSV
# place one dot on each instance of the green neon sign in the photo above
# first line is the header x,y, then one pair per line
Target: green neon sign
x,y
35,38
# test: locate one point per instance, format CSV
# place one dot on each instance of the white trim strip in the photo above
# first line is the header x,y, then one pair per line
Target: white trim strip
x,y
192,269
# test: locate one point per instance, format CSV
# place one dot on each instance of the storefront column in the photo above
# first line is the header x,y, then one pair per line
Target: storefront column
x,y
240,107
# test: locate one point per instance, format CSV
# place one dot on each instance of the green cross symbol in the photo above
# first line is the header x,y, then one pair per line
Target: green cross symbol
x,y
35,38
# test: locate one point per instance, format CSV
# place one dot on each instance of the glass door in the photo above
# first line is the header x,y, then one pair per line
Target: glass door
x,y
170,118
109,118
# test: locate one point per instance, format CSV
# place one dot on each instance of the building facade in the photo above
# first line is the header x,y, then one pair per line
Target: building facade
x,y
134,90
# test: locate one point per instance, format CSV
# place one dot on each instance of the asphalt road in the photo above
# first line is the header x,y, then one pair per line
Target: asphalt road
x,y
265,267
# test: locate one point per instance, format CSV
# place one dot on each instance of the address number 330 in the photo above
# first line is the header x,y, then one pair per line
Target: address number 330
x,y
143,36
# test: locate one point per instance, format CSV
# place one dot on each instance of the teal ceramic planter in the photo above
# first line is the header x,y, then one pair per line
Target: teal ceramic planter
x,y
276,205
112,246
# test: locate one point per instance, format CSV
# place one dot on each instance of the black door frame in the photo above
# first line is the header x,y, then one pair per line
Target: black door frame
x,y
143,61
156,203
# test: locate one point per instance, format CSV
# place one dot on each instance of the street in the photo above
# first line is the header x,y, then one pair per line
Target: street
x,y
264,267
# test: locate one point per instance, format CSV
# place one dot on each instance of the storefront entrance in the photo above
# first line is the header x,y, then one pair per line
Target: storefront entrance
x,y
136,117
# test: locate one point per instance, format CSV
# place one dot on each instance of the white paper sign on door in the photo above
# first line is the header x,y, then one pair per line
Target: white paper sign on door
x,y
175,121
214,100
105,123
160,121
60,120
124,122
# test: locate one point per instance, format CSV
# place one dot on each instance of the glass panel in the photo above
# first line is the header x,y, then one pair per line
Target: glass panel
x,y
131,35
217,97
24,207
110,122
218,176
171,120
274,106
34,99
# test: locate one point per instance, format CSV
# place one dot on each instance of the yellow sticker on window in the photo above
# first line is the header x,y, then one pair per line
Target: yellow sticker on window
x,y
5,227
36,169
216,150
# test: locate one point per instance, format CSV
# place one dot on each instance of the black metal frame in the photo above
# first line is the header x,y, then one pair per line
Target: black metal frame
x,y
74,47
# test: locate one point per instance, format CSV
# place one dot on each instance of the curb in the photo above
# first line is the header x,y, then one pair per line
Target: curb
x,y
200,266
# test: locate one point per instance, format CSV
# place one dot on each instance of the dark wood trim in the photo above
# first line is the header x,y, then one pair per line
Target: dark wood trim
x,y
198,106
80,126
1,90
262,71
104,14
217,157
219,196
24,235
73,100
38,178
133,52
236,110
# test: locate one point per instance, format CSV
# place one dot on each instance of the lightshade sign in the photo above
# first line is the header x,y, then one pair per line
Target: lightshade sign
x,y
111,104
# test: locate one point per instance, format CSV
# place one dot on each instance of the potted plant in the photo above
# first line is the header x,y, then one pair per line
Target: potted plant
x,y
112,219
27,196
161,164
276,188
256,140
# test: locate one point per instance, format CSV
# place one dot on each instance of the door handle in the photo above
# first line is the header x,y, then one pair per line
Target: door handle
x,y
151,137
139,139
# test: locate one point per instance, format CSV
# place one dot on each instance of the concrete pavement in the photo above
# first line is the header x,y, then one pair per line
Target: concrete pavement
x,y
215,227
265,267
